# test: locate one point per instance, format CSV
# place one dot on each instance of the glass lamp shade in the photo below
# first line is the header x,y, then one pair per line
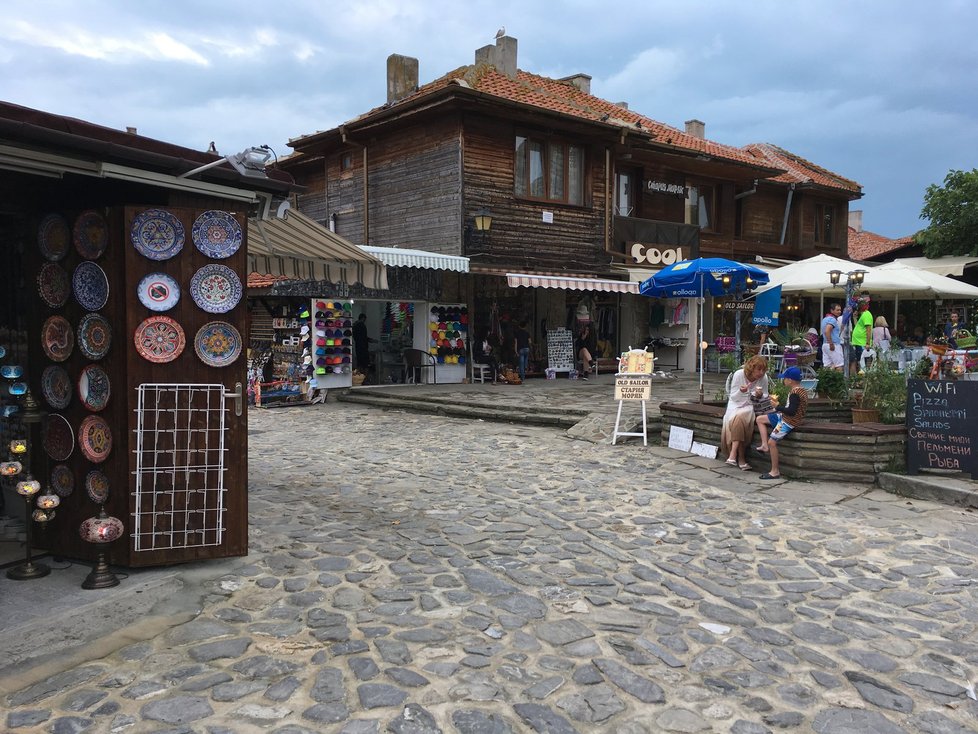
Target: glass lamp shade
x,y
835,276
48,501
28,488
18,446
43,515
11,468
101,529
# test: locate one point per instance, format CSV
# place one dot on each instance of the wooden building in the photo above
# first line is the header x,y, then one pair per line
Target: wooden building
x,y
575,186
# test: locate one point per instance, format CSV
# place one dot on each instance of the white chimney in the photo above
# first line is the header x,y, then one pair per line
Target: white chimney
x,y
581,81
856,219
502,56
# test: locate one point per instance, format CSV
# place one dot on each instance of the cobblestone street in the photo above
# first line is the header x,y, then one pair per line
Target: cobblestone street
x,y
413,573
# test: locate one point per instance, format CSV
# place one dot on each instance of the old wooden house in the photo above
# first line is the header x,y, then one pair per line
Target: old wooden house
x,y
562,201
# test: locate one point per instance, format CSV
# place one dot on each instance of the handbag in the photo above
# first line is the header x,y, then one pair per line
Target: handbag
x,y
964,339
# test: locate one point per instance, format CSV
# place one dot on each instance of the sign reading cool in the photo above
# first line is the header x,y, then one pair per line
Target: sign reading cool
x,y
654,256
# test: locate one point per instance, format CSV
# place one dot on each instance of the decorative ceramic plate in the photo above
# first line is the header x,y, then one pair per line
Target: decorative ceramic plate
x,y
57,438
218,344
215,288
94,336
158,292
53,284
97,486
95,438
56,386
94,388
157,234
90,234
62,480
57,338
54,237
159,339
217,234
90,285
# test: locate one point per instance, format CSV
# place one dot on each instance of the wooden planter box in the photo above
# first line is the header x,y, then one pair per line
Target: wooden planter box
x,y
819,449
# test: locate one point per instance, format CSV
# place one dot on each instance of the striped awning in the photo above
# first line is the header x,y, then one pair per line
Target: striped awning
x,y
515,280
299,248
402,257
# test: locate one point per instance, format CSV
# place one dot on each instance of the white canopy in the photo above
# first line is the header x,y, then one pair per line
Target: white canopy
x,y
947,265
810,277
911,282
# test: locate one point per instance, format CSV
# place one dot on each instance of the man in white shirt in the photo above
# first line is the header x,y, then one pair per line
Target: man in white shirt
x,y
832,357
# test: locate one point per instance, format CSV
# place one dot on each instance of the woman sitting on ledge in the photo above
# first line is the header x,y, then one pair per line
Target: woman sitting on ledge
x,y
747,385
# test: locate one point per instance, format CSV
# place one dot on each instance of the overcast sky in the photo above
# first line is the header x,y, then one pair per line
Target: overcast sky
x,y
884,92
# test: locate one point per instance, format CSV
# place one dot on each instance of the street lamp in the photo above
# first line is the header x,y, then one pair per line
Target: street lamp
x,y
854,279
482,223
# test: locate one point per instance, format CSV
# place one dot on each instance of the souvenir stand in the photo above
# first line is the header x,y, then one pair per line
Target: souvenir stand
x,y
446,339
328,339
276,374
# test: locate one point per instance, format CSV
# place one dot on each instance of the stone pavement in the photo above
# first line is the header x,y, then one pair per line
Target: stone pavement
x,y
415,573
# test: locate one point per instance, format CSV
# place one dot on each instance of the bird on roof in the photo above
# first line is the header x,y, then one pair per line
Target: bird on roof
x,y
212,148
501,32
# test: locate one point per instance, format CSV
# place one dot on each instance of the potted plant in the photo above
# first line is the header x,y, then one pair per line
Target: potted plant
x,y
729,362
832,384
884,395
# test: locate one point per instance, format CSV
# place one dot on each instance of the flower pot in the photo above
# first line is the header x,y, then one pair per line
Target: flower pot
x,y
865,415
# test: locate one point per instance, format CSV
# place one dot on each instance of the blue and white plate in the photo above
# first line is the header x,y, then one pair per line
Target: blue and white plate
x,y
158,292
90,286
157,234
94,336
216,288
217,234
218,344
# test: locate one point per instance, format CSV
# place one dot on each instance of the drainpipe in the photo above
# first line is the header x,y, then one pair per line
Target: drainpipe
x,y
607,200
366,200
742,194
787,211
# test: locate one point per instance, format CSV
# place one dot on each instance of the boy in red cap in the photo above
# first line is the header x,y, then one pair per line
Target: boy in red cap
x,y
781,424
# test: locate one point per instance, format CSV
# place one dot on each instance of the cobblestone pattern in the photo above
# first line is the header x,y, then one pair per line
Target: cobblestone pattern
x,y
413,574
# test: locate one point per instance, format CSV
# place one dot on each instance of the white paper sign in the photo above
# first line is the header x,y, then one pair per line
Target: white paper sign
x,y
704,449
680,438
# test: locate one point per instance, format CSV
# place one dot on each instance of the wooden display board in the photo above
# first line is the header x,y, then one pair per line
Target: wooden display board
x,y
560,350
942,426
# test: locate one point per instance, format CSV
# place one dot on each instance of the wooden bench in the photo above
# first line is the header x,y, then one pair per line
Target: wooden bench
x,y
824,447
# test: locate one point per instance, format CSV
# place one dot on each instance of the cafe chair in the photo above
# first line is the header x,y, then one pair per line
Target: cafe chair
x,y
416,361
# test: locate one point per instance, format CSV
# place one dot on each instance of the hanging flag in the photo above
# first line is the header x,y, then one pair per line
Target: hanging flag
x,y
767,307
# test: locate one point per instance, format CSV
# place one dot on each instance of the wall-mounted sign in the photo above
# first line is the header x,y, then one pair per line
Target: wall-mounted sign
x,y
642,253
661,187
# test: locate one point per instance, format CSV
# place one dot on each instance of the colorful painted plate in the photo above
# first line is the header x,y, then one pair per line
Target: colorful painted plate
x,y
53,285
57,437
62,480
57,338
158,292
218,344
159,339
94,388
215,288
56,386
95,439
94,336
90,285
97,486
217,234
54,237
90,234
157,234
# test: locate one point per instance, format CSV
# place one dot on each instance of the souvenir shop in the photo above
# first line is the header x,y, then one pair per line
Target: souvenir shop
x,y
122,324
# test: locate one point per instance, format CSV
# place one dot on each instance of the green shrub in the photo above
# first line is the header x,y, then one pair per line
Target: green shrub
x,y
832,384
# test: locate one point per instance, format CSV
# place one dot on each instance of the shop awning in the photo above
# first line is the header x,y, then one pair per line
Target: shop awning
x,y
299,248
400,257
947,265
515,280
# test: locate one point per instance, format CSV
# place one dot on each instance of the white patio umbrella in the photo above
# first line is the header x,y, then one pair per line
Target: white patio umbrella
x,y
899,279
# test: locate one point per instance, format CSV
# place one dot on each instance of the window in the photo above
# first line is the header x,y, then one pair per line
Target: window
x,y
625,193
824,224
549,170
346,161
700,206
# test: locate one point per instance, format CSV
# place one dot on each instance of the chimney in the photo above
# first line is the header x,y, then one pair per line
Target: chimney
x,y
581,81
856,219
402,77
696,128
623,105
502,56
131,130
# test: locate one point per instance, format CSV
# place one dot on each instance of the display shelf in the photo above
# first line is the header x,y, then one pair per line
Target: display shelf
x,y
331,343
447,341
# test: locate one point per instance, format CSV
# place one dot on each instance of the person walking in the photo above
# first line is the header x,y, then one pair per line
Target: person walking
x,y
862,334
832,357
521,343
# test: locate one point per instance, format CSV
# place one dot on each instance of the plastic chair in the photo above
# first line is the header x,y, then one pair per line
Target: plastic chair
x,y
416,361
480,372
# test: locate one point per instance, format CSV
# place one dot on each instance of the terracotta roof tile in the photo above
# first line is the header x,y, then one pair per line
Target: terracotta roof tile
x,y
260,280
866,245
799,170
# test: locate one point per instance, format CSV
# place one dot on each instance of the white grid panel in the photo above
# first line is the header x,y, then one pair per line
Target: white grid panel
x,y
179,466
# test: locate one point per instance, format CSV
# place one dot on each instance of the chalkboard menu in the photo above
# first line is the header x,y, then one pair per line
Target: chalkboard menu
x,y
942,426
560,350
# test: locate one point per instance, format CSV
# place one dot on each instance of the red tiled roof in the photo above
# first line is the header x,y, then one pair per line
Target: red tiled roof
x,y
798,170
260,280
866,245
564,98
